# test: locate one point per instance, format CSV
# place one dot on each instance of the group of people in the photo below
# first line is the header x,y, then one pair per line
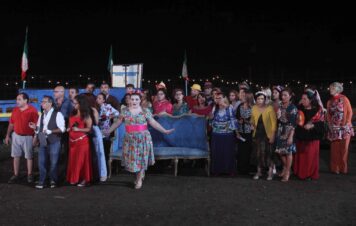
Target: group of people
x,y
270,131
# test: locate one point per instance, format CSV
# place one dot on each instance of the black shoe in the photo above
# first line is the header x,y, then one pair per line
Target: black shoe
x,y
14,179
53,184
30,179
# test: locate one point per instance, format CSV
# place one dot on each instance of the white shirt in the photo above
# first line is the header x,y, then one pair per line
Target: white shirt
x,y
46,117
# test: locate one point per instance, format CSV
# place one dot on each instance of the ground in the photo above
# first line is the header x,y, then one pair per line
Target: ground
x,y
192,198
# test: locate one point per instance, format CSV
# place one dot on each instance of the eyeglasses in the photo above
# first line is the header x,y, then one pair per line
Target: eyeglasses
x,y
58,91
44,101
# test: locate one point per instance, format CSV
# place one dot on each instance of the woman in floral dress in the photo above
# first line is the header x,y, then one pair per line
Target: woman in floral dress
x,y
285,144
339,114
138,146
245,129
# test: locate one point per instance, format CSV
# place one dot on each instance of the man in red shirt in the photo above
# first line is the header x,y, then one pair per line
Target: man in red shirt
x,y
192,100
22,117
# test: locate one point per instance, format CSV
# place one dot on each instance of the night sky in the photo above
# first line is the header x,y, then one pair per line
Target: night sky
x,y
68,39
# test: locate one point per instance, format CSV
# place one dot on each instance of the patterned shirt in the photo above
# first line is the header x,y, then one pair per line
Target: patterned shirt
x,y
106,110
182,109
224,121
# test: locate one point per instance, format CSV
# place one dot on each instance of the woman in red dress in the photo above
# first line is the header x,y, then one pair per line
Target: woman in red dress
x,y
79,162
202,108
309,132
162,104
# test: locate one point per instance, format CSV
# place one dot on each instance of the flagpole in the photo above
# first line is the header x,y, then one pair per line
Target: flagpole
x,y
186,86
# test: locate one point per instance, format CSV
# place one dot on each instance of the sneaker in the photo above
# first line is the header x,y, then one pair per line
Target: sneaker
x,y
82,184
103,179
53,184
30,179
138,184
39,186
14,179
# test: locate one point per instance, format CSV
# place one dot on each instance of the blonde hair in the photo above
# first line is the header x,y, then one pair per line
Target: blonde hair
x,y
226,101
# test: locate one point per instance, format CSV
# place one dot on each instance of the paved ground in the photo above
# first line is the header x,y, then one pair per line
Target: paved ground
x,y
189,199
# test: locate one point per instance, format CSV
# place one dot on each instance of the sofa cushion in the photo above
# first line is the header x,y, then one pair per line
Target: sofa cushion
x,y
190,131
169,152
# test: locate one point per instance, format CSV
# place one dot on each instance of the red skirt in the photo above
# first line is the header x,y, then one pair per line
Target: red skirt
x,y
306,160
79,162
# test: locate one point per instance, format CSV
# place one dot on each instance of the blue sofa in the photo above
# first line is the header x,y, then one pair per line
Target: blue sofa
x,y
188,141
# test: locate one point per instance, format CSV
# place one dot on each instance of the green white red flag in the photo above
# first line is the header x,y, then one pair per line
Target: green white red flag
x,y
24,59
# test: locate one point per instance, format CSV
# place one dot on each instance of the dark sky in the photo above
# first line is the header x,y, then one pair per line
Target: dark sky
x,y
67,39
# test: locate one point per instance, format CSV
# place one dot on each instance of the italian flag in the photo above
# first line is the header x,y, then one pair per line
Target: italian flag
x,y
185,68
24,60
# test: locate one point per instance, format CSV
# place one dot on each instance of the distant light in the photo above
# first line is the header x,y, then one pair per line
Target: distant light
x,y
49,81
350,82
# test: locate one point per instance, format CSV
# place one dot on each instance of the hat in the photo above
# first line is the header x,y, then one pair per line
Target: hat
x,y
196,87
208,85
161,85
259,93
244,85
278,88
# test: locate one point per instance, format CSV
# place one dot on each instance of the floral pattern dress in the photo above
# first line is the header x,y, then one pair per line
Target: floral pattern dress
x,y
224,121
138,146
286,124
338,131
182,109
106,110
